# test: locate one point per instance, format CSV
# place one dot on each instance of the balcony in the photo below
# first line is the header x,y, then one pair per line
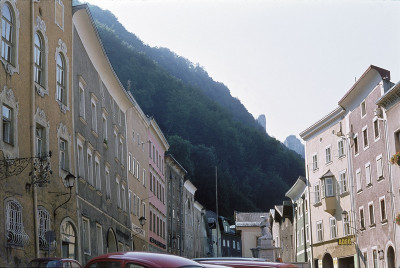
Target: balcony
x,y
329,204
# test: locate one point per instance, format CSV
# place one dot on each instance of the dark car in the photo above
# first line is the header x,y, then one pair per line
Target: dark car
x,y
244,262
143,260
54,263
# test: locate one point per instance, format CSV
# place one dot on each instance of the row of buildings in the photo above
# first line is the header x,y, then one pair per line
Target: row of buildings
x,y
345,212
83,171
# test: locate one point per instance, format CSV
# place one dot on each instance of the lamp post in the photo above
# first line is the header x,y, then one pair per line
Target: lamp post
x,y
69,182
216,208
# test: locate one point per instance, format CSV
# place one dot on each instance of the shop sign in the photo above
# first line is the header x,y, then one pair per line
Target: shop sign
x,y
158,243
345,241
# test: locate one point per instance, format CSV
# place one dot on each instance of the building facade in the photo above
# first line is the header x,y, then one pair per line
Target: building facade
x,y
138,175
201,246
175,176
36,109
100,132
157,202
188,209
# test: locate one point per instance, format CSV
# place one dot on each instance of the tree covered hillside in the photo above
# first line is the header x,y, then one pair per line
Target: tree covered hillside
x,y
205,126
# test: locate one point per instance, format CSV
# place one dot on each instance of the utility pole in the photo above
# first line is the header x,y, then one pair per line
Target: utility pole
x,y
216,205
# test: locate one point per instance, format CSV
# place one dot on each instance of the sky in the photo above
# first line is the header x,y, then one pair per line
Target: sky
x,y
290,60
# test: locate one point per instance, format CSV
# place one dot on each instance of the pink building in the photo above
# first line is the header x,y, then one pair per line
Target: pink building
x,y
158,145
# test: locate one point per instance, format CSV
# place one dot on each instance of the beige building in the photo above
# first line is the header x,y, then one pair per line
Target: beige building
x,y
36,109
248,225
138,175
328,169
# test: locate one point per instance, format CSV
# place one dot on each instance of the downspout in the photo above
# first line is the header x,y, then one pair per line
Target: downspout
x,y
304,230
33,127
309,216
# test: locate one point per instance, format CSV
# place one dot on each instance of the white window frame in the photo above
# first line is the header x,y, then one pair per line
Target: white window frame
x,y
86,236
365,137
93,105
99,238
320,231
368,180
371,216
341,151
379,167
97,172
130,162
118,189
108,182
315,161
80,159
362,217
63,154
144,178
333,227
123,197
317,192
82,100
383,217
358,180
328,154
105,132
329,188
356,145
363,109
344,188
89,157
376,128
346,223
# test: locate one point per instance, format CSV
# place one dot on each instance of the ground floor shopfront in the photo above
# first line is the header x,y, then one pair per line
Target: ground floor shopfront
x,y
338,253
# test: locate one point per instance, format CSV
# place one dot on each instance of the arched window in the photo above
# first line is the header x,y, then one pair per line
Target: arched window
x,y
44,226
7,33
68,240
38,54
15,233
61,93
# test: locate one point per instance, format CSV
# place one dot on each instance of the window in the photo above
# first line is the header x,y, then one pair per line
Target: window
x,y
44,226
363,109
307,233
368,174
328,157
375,258
329,189
63,155
105,137
90,166
7,34
108,186
97,173
123,198
315,162
129,201
332,223
116,144
376,129
94,116
358,179
346,224
362,219
121,150
371,214
365,137
38,60
302,236
319,231
7,124
134,205
81,165
316,193
383,209
365,255
40,140
60,88
144,177
81,100
118,193
341,148
151,220
343,182
99,238
379,167
130,162
134,166
137,170
15,233
86,235
144,210
356,151
138,207
59,14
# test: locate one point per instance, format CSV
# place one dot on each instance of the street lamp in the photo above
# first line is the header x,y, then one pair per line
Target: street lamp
x,y
142,221
69,182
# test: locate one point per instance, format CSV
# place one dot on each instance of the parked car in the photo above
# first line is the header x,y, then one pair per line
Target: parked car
x,y
54,263
244,262
144,260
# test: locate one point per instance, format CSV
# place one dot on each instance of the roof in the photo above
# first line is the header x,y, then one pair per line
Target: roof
x,y
249,219
391,97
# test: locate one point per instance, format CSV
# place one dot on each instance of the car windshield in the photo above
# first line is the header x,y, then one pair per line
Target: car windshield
x,y
45,264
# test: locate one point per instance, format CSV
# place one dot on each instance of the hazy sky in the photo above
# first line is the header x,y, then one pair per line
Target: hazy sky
x,y
290,60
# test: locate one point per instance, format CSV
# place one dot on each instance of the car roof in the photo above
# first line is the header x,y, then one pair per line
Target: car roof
x,y
161,259
229,258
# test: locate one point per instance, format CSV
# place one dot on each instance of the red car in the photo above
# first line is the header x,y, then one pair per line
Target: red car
x,y
143,260
54,263
244,263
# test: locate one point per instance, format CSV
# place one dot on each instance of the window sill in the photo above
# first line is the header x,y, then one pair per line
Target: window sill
x,y
385,221
381,178
99,193
82,179
362,229
344,194
83,120
317,204
359,191
369,185
94,133
372,225
91,187
341,156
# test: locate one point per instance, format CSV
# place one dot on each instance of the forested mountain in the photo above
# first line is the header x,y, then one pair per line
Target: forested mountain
x,y
205,126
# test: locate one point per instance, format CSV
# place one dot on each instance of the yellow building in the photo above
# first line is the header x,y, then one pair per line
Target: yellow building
x,y
39,217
